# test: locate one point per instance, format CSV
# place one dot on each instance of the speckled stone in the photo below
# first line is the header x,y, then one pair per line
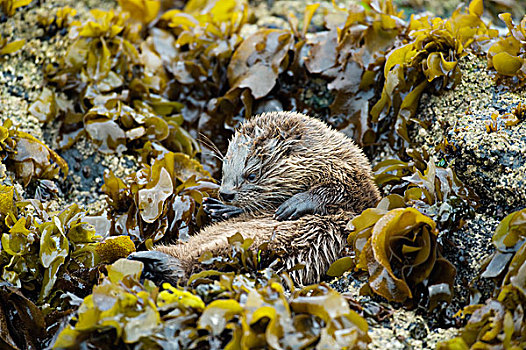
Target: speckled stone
x,y
21,82
494,163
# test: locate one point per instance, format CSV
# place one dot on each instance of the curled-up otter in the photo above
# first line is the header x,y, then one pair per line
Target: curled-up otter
x,y
289,180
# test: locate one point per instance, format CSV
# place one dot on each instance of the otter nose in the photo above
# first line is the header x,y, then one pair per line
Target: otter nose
x,y
227,196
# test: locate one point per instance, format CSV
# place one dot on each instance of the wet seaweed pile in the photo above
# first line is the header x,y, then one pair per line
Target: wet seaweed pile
x,y
147,80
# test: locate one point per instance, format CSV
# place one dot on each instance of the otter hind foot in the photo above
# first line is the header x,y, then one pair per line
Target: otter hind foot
x,y
297,206
218,210
159,267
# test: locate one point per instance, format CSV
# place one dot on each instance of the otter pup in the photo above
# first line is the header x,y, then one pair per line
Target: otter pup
x,y
288,180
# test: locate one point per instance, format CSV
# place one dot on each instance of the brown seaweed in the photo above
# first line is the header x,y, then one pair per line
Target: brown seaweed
x,y
507,54
226,309
398,248
9,7
433,189
160,200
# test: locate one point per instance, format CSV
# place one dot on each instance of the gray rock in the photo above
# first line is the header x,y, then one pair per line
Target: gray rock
x,y
492,163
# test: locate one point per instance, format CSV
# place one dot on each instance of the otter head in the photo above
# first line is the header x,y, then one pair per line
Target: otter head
x,y
261,169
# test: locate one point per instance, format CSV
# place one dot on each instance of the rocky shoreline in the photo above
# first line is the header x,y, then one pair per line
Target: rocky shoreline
x,y
492,163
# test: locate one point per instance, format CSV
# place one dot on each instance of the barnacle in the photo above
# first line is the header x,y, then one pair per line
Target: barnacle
x,y
399,250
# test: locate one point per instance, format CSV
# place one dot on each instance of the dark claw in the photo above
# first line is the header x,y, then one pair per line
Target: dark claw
x,y
210,204
217,210
159,267
210,200
228,213
296,206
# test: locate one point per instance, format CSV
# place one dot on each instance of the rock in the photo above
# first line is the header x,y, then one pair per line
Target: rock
x,y
491,163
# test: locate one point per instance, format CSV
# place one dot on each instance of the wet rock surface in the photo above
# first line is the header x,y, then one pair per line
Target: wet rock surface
x,y
493,162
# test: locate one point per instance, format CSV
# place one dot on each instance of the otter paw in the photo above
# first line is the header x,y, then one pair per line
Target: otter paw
x,y
297,206
218,210
159,267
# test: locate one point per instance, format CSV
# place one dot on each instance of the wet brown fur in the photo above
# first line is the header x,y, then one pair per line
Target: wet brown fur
x,y
292,153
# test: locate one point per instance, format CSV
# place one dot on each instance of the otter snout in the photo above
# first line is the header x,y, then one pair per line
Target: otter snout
x,y
227,196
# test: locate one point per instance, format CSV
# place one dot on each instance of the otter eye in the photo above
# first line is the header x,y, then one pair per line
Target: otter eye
x,y
251,177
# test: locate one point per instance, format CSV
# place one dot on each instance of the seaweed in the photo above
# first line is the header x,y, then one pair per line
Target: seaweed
x,y
7,48
158,200
351,56
267,50
47,259
433,189
492,125
517,115
9,7
199,56
143,11
116,87
61,19
379,65
219,310
126,68
37,251
28,157
428,62
507,54
22,322
196,45
398,249
500,323
509,241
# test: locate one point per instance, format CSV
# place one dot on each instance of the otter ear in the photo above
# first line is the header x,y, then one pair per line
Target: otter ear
x,y
292,133
285,135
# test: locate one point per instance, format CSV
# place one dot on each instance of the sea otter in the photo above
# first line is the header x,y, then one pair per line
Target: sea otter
x,y
289,180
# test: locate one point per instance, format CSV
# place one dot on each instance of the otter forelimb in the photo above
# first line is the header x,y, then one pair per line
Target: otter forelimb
x,y
315,201
297,206
218,210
